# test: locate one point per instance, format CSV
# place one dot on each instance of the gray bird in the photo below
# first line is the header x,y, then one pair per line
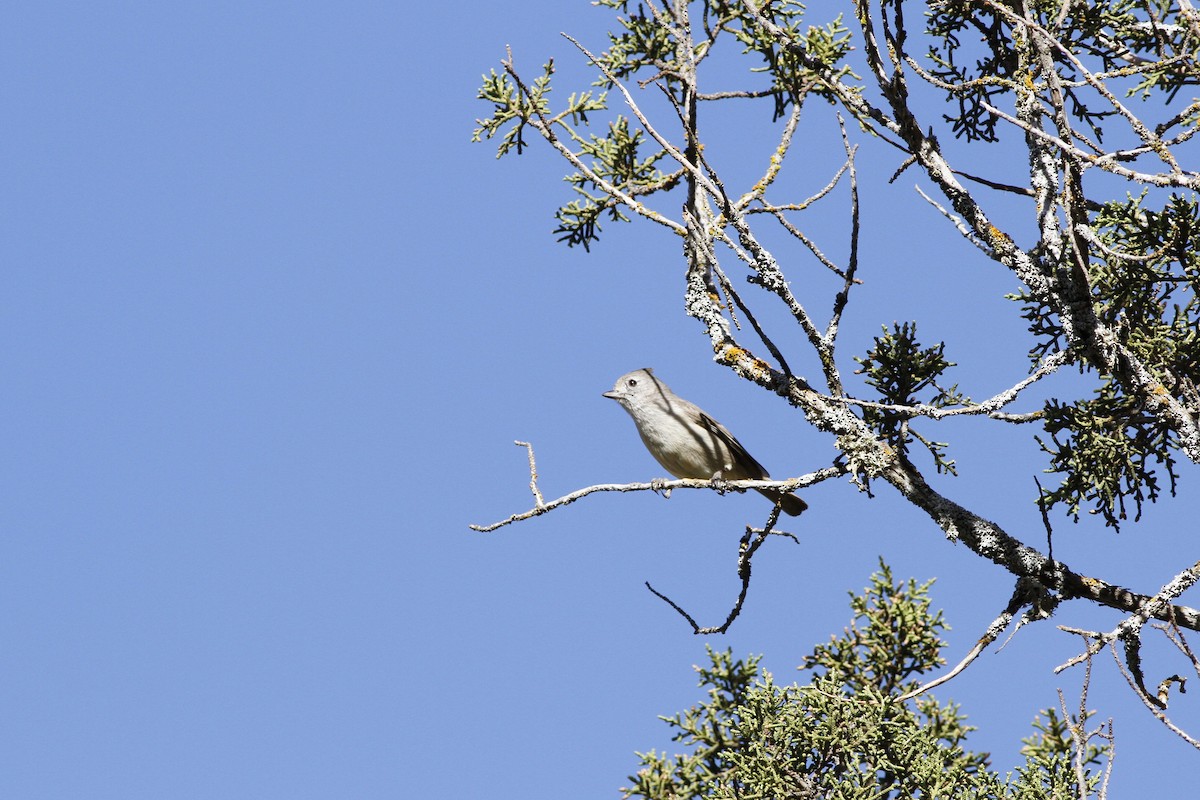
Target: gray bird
x,y
688,442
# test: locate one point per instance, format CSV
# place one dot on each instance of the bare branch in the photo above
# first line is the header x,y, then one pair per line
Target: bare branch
x,y
1088,235
665,487
843,297
1157,606
1175,636
1023,595
747,547
1151,703
776,164
795,232
776,161
733,295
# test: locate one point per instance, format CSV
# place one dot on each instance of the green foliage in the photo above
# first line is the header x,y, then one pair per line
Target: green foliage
x,y
645,43
900,369
614,159
711,729
1151,295
1143,272
1146,287
1049,770
844,735
892,639
511,105
1105,448
517,106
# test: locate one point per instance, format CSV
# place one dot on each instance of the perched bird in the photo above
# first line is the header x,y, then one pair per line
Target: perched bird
x,y
688,442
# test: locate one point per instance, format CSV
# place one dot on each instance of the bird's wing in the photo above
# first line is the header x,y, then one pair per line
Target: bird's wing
x,y
755,471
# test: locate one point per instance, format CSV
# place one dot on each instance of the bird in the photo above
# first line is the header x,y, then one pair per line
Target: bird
x,y
687,442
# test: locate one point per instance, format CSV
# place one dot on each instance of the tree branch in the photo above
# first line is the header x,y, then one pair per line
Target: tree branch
x,y
665,487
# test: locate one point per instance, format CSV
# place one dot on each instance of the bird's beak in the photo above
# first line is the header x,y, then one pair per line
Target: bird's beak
x,y
611,395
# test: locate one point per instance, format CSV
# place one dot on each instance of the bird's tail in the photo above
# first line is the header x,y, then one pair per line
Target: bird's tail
x,y
790,503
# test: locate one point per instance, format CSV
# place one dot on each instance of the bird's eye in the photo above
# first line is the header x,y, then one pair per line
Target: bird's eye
x,y
632,382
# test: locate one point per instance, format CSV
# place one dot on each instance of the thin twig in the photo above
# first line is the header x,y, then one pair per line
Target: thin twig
x,y
990,407
665,143
1045,518
747,547
776,162
533,476
843,297
736,298
958,224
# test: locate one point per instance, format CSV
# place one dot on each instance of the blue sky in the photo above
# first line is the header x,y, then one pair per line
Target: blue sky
x,y
271,326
